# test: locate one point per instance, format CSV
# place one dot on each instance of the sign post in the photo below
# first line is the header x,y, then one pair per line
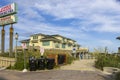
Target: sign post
x,y
2,40
24,47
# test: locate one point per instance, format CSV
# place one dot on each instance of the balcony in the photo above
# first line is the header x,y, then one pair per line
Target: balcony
x,y
34,41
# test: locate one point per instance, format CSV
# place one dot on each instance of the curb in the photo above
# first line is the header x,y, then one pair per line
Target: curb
x,y
2,68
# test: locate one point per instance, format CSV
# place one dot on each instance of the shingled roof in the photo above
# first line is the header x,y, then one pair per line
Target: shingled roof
x,y
50,38
25,41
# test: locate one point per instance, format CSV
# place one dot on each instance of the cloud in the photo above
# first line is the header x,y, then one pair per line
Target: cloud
x,y
92,12
32,27
89,18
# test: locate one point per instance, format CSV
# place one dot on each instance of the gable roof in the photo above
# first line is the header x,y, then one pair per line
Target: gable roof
x,y
38,34
50,38
25,41
63,37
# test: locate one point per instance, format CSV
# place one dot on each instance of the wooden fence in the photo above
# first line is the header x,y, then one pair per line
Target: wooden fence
x,y
6,62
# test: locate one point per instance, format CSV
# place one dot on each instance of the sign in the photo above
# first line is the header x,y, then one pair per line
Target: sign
x,y
7,10
74,50
24,45
8,20
42,51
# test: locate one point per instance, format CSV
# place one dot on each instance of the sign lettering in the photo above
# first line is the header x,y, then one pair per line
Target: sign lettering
x,y
7,10
8,20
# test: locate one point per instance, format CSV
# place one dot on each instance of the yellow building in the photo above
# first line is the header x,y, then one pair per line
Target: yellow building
x,y
50,42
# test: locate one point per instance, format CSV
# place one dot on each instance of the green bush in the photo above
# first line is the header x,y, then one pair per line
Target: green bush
x,y
70,59
107,60
19,65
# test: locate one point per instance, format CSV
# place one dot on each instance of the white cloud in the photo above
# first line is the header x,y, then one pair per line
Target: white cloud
x,y
76,9
90,15
101,12
26,26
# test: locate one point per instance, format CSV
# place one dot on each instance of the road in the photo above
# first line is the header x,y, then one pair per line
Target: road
x,y
53,75
79,70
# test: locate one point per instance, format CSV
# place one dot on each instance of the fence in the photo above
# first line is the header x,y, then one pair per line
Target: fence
x,y
5,61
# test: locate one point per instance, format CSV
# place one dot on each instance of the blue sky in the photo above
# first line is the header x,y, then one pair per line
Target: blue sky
x,y
93,24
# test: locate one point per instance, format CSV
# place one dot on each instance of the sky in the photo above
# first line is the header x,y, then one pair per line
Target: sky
x,y
92,23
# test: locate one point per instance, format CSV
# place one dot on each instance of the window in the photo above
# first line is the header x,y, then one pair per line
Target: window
x,y
63,45
27,44
69,45
46,43
33,45
63,39
57,45
35,37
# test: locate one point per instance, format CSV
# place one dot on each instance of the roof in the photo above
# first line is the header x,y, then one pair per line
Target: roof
x,y
38,34
63,37
47,38
25,41
50,38
53,36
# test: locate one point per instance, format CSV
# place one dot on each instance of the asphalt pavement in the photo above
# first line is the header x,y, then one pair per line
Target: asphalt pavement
x,y
53,75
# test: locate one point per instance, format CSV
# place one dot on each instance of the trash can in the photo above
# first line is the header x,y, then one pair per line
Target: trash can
x,y
61,59
41,63
50,62
32,64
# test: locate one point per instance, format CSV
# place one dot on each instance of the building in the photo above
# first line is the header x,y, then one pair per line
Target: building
x,y
50,42
54,43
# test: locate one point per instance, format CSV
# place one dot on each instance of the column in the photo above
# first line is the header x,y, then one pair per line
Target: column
x,y
11,41
2,40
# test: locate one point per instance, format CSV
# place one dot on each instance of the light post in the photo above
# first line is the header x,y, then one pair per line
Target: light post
x,y
118,38
118,47
16,38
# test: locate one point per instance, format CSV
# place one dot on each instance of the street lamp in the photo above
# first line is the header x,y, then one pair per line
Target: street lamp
x,y
118,47
16,38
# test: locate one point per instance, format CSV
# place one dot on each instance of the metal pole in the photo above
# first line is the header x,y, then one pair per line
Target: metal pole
x,y
2,40
25,70
24,58
16,51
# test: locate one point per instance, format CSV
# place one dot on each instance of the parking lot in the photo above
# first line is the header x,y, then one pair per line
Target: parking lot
x,y
53,75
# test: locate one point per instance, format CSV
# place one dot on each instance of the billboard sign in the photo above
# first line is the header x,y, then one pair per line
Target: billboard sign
x,y
8,9
8,20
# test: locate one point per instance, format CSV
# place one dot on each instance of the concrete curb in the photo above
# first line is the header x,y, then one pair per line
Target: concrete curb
x,y
2,68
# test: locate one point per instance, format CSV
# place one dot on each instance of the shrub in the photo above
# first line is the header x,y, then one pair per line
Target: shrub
x,y
70,59
107,60
19,65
